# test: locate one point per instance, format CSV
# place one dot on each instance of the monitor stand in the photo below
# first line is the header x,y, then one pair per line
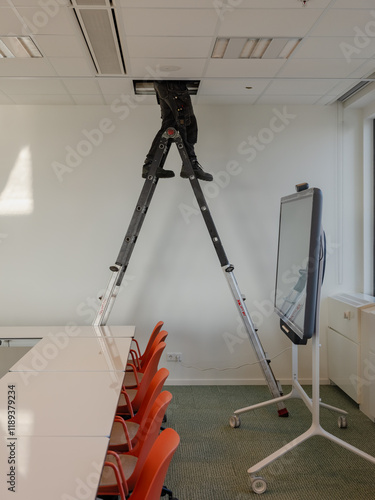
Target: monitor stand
x,y
258,483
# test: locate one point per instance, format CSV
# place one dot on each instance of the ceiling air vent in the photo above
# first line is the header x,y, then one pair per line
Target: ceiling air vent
x,y
97,20
359,86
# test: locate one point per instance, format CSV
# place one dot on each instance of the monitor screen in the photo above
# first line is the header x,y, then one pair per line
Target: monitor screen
x,y
298,259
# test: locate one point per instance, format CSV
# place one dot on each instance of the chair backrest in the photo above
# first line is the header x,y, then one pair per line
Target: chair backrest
x,y
148,375
155,331
160,337
151,478
153,391
147,435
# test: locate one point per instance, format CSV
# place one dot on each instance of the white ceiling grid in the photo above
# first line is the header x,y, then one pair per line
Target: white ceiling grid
x,y
175,38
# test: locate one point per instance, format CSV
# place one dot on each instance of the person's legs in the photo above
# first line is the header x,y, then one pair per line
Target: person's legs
x,y
176,111
167,121
176,96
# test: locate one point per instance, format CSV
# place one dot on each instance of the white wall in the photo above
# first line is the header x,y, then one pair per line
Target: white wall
x,y
55,253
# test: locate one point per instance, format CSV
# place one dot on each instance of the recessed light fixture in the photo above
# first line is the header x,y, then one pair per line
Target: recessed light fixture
x,y
254,48
18,46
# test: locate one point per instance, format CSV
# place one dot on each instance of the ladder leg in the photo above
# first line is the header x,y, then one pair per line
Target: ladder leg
x,y
132,233
254,339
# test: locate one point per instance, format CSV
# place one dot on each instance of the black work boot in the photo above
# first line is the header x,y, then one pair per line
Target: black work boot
x,y
160,172
198,172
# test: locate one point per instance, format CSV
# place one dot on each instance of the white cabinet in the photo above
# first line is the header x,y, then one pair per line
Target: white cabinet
x,y
345,341
367,380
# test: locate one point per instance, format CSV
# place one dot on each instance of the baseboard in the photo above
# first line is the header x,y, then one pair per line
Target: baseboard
x,y
175,381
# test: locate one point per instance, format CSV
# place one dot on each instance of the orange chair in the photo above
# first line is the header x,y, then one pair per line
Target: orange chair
x,y
154,333
151,479
130,399
135,371
123,432
150,482
122,470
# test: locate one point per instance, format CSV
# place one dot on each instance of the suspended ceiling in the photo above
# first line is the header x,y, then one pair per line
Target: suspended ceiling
x,y
174,39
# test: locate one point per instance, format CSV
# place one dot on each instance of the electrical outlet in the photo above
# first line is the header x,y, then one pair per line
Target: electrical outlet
x,y
174,356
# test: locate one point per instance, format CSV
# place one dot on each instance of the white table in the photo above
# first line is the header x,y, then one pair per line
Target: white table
x,y
13,336
53,468
61,403
76,354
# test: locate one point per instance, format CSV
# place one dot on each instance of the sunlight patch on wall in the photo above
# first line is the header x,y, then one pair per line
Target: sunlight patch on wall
x,y
17,195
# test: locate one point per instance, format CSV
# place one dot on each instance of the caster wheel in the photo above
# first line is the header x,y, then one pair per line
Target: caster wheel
x,y
234,421
342,422
258,485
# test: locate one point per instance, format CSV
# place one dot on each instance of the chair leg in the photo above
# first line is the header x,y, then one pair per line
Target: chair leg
x,y
166,491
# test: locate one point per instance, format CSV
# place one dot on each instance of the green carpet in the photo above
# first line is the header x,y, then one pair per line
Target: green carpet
x,y
212,460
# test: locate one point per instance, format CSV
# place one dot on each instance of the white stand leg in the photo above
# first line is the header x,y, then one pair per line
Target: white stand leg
x,y
258,483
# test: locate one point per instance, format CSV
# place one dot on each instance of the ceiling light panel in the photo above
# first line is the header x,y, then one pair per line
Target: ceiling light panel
x,y
254,48
18,46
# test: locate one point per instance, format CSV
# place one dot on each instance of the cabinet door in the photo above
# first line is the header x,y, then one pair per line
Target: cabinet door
x,y
343,363
368,386
343,318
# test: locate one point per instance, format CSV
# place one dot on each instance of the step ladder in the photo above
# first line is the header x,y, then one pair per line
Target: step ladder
x,y
122,262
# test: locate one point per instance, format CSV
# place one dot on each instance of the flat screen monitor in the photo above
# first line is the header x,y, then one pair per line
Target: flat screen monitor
x,y
298,262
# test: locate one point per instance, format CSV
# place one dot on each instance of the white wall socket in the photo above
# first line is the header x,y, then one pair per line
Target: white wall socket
x,y
174,356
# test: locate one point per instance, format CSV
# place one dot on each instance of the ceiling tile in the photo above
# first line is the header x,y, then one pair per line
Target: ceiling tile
x,y
363,71
166,68
42,99
36,86
81,86
174,46
333,48
232,86
300,87
319,68
168,4
61,46
226,99
342,87
72,66
9,22
109,85
326,99
277,4
349,4
39,3
26,67
88,99
236,68
5,100
123,103
170,22
39,21
270,23
287,99
344,22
